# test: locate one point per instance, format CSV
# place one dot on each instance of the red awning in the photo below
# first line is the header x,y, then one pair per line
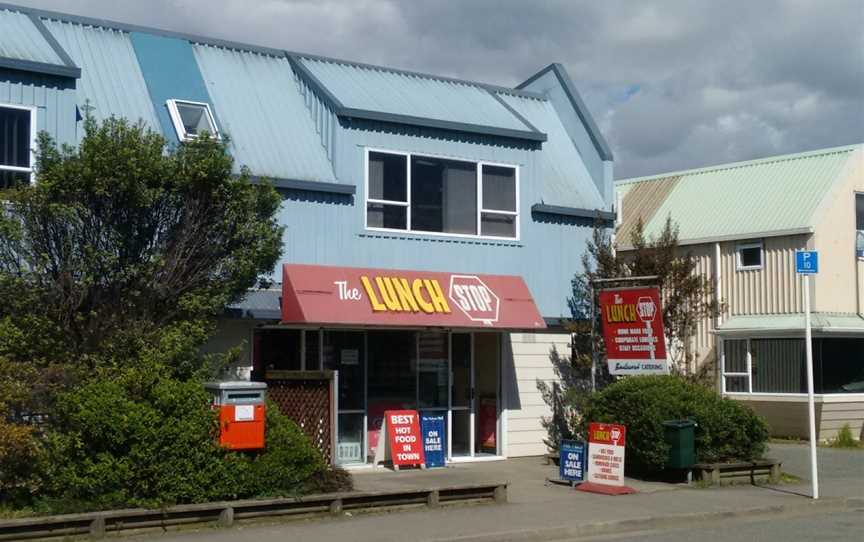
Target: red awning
x,y
316,294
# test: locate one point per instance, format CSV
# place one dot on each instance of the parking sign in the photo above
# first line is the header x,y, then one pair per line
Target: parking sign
x,y
806,262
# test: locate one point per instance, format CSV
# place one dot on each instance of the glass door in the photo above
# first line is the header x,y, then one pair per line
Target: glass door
x,y
461,386
344,351
486,398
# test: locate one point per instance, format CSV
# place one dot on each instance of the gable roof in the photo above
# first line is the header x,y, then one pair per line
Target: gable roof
x,y
772,196
262,97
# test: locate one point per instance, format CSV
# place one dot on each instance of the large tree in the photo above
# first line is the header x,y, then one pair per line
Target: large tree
x,y
124,248
688,297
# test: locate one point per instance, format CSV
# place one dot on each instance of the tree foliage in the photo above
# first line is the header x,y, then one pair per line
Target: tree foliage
x,y
124,246
687,298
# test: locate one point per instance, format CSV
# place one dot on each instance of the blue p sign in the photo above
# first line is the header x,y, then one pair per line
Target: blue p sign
x,y
806,262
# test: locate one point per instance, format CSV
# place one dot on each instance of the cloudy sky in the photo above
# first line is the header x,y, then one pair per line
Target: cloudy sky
x,y
672,84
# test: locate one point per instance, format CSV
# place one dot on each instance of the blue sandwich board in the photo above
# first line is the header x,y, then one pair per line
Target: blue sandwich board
x,y
433,433
806,262
572,461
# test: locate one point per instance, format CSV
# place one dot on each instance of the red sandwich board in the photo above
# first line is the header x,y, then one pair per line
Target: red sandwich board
x,y
403,445
633,331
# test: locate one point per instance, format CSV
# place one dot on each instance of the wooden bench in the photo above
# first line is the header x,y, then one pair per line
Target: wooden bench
x,y
714,472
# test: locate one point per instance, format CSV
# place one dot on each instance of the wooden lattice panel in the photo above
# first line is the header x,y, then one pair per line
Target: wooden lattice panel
x,y
307,402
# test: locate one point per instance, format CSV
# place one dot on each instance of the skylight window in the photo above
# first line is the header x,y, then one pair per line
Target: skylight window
x,y
192,119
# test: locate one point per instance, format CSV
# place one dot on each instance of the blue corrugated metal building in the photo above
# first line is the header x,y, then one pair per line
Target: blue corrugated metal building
x,y
379,168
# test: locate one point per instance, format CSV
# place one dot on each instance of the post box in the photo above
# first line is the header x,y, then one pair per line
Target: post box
x,y
241,413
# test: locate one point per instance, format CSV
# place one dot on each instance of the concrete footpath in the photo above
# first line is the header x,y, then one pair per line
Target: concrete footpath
x,y
539,511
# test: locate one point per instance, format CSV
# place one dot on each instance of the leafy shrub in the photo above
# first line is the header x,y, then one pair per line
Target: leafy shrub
x,y
129,442
18,452
726,430
844,439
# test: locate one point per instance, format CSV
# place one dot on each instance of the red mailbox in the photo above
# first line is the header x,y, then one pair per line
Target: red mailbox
x,y
241,413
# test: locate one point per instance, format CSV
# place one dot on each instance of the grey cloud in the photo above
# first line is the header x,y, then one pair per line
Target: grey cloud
x,y
716,81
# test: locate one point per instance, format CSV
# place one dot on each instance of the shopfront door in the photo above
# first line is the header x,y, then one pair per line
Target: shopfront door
x,y
462,376
486,400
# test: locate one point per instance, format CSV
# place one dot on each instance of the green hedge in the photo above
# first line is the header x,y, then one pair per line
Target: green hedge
x,y
726,430
116,445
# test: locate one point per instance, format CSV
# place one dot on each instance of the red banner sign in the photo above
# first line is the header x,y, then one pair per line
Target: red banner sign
x,y
403,433
633,331
319,294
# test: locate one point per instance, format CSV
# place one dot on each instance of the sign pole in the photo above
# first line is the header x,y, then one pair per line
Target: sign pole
x,y
807,263
811,407
593,346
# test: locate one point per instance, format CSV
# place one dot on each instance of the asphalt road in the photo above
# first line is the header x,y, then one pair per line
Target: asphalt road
x,y
840,526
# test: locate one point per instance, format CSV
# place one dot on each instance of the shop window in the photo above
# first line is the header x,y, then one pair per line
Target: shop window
x,y
424,194
17,140
838,365
433,377
749,256
343,352
778,365
192,119
279,349
859,225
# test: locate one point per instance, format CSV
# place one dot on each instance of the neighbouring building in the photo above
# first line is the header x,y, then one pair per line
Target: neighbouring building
x,y
433,225
743,223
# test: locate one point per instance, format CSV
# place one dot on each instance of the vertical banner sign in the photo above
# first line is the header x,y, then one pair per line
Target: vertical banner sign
x,y
633,331
403,444
572,461
606,454
432,429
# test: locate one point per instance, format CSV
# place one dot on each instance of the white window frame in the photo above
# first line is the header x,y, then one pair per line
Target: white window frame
x,y
480,210
752,244
177,121
859,255
33,133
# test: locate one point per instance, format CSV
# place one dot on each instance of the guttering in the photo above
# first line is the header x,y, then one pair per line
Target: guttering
x,y
739,236
606,216
308,186
40,67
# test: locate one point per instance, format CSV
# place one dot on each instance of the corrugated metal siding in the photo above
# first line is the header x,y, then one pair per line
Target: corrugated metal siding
x,y
704,339
398,93
111,79
641,201
774,194
21,40
261,109
564,179
323,116
774,289
53,97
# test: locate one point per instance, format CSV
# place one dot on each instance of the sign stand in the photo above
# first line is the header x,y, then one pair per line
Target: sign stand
x,y
400,440
605,460
806,264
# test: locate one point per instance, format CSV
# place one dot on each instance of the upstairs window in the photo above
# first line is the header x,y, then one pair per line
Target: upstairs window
x,y
425,194
859,225
17,140
749,256
192,119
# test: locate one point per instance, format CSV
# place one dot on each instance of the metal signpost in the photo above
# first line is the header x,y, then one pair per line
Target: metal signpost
x,y
806,264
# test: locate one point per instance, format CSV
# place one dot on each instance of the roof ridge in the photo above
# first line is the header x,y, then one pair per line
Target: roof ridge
x,y
744,163
261,49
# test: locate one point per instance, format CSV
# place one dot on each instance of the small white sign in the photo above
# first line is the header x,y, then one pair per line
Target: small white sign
x,y
349,357
244,413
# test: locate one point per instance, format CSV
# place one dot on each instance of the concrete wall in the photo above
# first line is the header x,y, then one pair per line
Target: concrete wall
x,y
787,416
835,240
527,358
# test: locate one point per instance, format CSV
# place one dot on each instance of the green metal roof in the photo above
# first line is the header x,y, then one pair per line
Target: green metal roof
x,y
776,195
766,324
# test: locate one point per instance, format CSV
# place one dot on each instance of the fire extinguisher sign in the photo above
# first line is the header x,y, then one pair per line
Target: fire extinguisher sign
x,y
632,321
